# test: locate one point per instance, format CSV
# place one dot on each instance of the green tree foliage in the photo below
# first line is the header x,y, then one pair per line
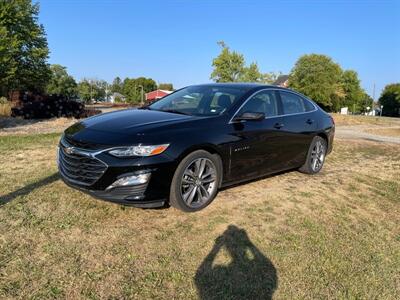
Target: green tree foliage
x,y
147,83
354,97
228,65
166,86
252,74
132,91
390,99
23,47
319,78
91,89
117,85
366,101
61,83
132,88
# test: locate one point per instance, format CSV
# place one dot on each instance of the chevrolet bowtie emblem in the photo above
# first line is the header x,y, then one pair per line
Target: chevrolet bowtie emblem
x,y
69,150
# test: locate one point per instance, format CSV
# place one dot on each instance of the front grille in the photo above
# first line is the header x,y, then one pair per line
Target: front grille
x,y
79,166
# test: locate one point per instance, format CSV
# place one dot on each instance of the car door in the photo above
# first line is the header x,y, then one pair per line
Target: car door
x,y
300,126
257,144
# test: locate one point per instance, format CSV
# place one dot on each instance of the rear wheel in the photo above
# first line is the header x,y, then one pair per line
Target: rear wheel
x,y
315,157
196,181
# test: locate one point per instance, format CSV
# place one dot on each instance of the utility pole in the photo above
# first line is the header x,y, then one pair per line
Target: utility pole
x,y
373,98
90,84
141,95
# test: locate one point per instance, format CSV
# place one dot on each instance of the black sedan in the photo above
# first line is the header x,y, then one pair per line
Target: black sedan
x,y
184,147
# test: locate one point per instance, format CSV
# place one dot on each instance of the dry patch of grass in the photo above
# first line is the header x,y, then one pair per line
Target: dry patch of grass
x,y
333,235
19,126
5,109
364,120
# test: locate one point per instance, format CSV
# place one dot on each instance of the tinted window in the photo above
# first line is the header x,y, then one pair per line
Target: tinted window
x,y
308,105
200,100
292,104
263,102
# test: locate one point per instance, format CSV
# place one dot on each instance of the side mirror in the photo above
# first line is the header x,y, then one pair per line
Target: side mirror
x,y
250,116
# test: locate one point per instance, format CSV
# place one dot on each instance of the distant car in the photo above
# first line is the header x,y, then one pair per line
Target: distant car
x,y
182,151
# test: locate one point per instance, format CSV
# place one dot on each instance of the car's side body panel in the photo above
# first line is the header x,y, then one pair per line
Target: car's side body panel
x,y
248,149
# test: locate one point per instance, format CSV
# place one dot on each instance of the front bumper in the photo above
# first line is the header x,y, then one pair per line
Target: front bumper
x,y
153,193
130,196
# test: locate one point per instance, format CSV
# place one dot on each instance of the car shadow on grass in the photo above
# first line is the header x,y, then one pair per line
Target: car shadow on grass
x,y
4,199
249,274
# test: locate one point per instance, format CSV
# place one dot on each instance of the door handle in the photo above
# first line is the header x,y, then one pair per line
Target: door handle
x,y
310,121
278,125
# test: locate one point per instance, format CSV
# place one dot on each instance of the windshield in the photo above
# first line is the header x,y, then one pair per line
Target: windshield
x,y
200,100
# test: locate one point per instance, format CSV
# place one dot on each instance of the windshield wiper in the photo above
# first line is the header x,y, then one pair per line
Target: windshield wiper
x,y
174,111
144,107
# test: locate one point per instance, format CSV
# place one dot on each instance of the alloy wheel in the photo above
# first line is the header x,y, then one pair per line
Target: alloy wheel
x,y
199,182
317,156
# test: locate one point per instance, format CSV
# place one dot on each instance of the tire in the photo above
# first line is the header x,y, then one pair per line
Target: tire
x,y
196,181
315,156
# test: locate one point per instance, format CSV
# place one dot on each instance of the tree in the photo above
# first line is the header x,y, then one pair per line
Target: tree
x,y
131,91
366,101
147,83
354,97
117,86
166,86
61,83
23,47
390,99
228,65
319,78
91,89
252,74
132,88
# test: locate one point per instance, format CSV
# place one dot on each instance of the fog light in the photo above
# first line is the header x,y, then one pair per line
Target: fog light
x,y
131,180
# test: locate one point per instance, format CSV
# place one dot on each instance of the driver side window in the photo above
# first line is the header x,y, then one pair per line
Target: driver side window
x,y
263,102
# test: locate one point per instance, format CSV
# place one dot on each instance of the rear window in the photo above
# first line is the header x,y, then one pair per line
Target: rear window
x,y
292,104
308,105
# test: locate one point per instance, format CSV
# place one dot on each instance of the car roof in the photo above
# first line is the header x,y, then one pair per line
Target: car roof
x,y
251,87
244,85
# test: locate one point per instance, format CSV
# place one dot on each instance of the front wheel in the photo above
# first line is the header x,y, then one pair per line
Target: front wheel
x,y
315,157
196,181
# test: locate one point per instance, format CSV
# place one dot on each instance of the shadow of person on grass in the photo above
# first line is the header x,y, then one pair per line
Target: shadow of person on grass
x,y
4,199
249,275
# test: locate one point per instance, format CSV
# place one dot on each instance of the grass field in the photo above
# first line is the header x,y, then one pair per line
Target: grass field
x,y
364,120
335,235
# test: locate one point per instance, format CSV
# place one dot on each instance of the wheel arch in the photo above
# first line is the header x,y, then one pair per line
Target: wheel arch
x,y
325,137
213,149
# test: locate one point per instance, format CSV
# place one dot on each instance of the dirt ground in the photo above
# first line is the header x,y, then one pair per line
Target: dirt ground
x,y
19,126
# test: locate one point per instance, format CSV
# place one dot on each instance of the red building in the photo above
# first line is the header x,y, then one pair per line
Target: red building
x,y
157,94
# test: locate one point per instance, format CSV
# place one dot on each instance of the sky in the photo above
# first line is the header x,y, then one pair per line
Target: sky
x,y
175,41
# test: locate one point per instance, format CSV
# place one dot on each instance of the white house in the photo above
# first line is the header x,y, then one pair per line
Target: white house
x,y
115,96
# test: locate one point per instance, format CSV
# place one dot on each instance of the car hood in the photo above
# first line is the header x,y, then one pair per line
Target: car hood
x,y
115,125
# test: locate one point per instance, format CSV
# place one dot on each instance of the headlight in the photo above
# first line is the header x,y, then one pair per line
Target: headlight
x,y
139,150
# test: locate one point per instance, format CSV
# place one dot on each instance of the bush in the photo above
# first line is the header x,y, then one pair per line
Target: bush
x,y
49,108
5,107
118,100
